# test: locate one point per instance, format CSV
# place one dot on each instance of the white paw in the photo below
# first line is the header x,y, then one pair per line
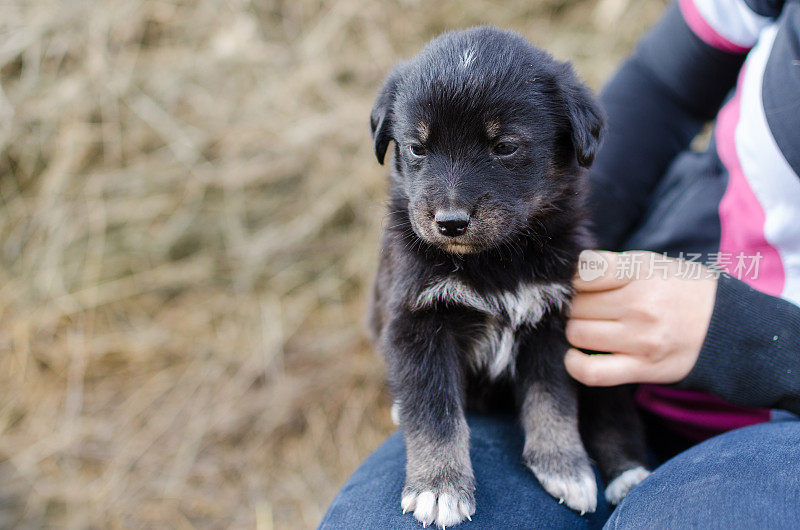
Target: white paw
x,y
620,486
579,493
445,511
395,413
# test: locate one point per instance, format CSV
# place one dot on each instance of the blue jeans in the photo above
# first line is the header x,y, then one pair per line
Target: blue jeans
x,y
747,478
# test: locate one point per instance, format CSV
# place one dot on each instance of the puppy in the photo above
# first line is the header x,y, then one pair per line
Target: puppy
x,y
486,220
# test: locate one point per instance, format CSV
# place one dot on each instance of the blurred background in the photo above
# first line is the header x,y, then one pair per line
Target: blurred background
x,y
189,216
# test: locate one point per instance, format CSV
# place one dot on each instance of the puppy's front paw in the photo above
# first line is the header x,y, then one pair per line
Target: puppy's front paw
x,y
443,509
568,479
445,500
619,487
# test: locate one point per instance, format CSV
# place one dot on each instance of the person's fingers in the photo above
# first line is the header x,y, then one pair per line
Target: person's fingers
x,y
598,270
603,369
600,335
601,305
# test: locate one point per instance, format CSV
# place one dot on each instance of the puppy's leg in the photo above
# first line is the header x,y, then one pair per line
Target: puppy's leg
x,y
549,415
614,435
428,382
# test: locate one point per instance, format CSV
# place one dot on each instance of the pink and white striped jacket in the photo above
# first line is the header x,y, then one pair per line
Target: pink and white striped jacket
x,y
736,63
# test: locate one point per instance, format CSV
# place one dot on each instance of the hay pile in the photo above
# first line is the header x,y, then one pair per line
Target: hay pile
x,y
189,210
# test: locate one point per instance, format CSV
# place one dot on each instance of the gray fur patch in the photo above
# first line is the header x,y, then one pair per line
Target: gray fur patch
x,y
495,350
525,305
554,452
453,292
467,58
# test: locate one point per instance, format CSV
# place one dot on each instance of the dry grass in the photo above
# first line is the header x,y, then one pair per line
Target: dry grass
x,y
188,223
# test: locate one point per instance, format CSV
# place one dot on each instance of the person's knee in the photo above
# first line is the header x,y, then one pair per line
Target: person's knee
x,y
741,479
371,496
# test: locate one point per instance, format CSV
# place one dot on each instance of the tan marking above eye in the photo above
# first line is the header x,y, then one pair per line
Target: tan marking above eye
x,y
424,131
492,128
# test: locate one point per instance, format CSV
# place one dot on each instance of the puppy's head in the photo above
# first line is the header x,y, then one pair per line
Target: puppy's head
x,y
490,133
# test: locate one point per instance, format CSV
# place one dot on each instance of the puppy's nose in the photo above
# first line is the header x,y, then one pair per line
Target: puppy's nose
x,y
452,223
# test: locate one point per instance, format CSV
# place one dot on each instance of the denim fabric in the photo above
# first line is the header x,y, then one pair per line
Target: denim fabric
x,y
748,478
507,495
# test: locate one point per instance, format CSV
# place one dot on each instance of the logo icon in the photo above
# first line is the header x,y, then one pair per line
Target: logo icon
x,y
591,265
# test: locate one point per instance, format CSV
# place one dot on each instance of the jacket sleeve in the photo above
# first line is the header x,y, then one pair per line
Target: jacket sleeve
x,y
658,101
751,353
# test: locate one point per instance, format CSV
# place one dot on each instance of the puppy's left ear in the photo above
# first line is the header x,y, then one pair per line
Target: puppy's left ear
x,y
380,120
586,117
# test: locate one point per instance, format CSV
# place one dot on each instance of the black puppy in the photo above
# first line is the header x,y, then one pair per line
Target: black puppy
x,y
486,221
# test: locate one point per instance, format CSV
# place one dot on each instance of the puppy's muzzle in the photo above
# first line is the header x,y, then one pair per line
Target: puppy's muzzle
x,y
451,223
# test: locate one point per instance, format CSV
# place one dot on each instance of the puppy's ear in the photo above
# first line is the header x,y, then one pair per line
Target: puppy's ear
x,y
380,120
586,117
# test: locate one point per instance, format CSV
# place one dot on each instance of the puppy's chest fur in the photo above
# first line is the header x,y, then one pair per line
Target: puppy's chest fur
x,y
494,349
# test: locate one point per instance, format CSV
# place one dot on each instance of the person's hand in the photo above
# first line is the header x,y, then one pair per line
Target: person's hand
x,y
645,310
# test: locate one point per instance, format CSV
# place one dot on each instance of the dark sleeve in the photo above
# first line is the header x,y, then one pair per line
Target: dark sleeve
x,y
656,104
751,353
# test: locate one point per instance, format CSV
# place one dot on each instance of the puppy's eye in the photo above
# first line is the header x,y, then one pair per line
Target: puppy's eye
x,y
417,150
504,149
